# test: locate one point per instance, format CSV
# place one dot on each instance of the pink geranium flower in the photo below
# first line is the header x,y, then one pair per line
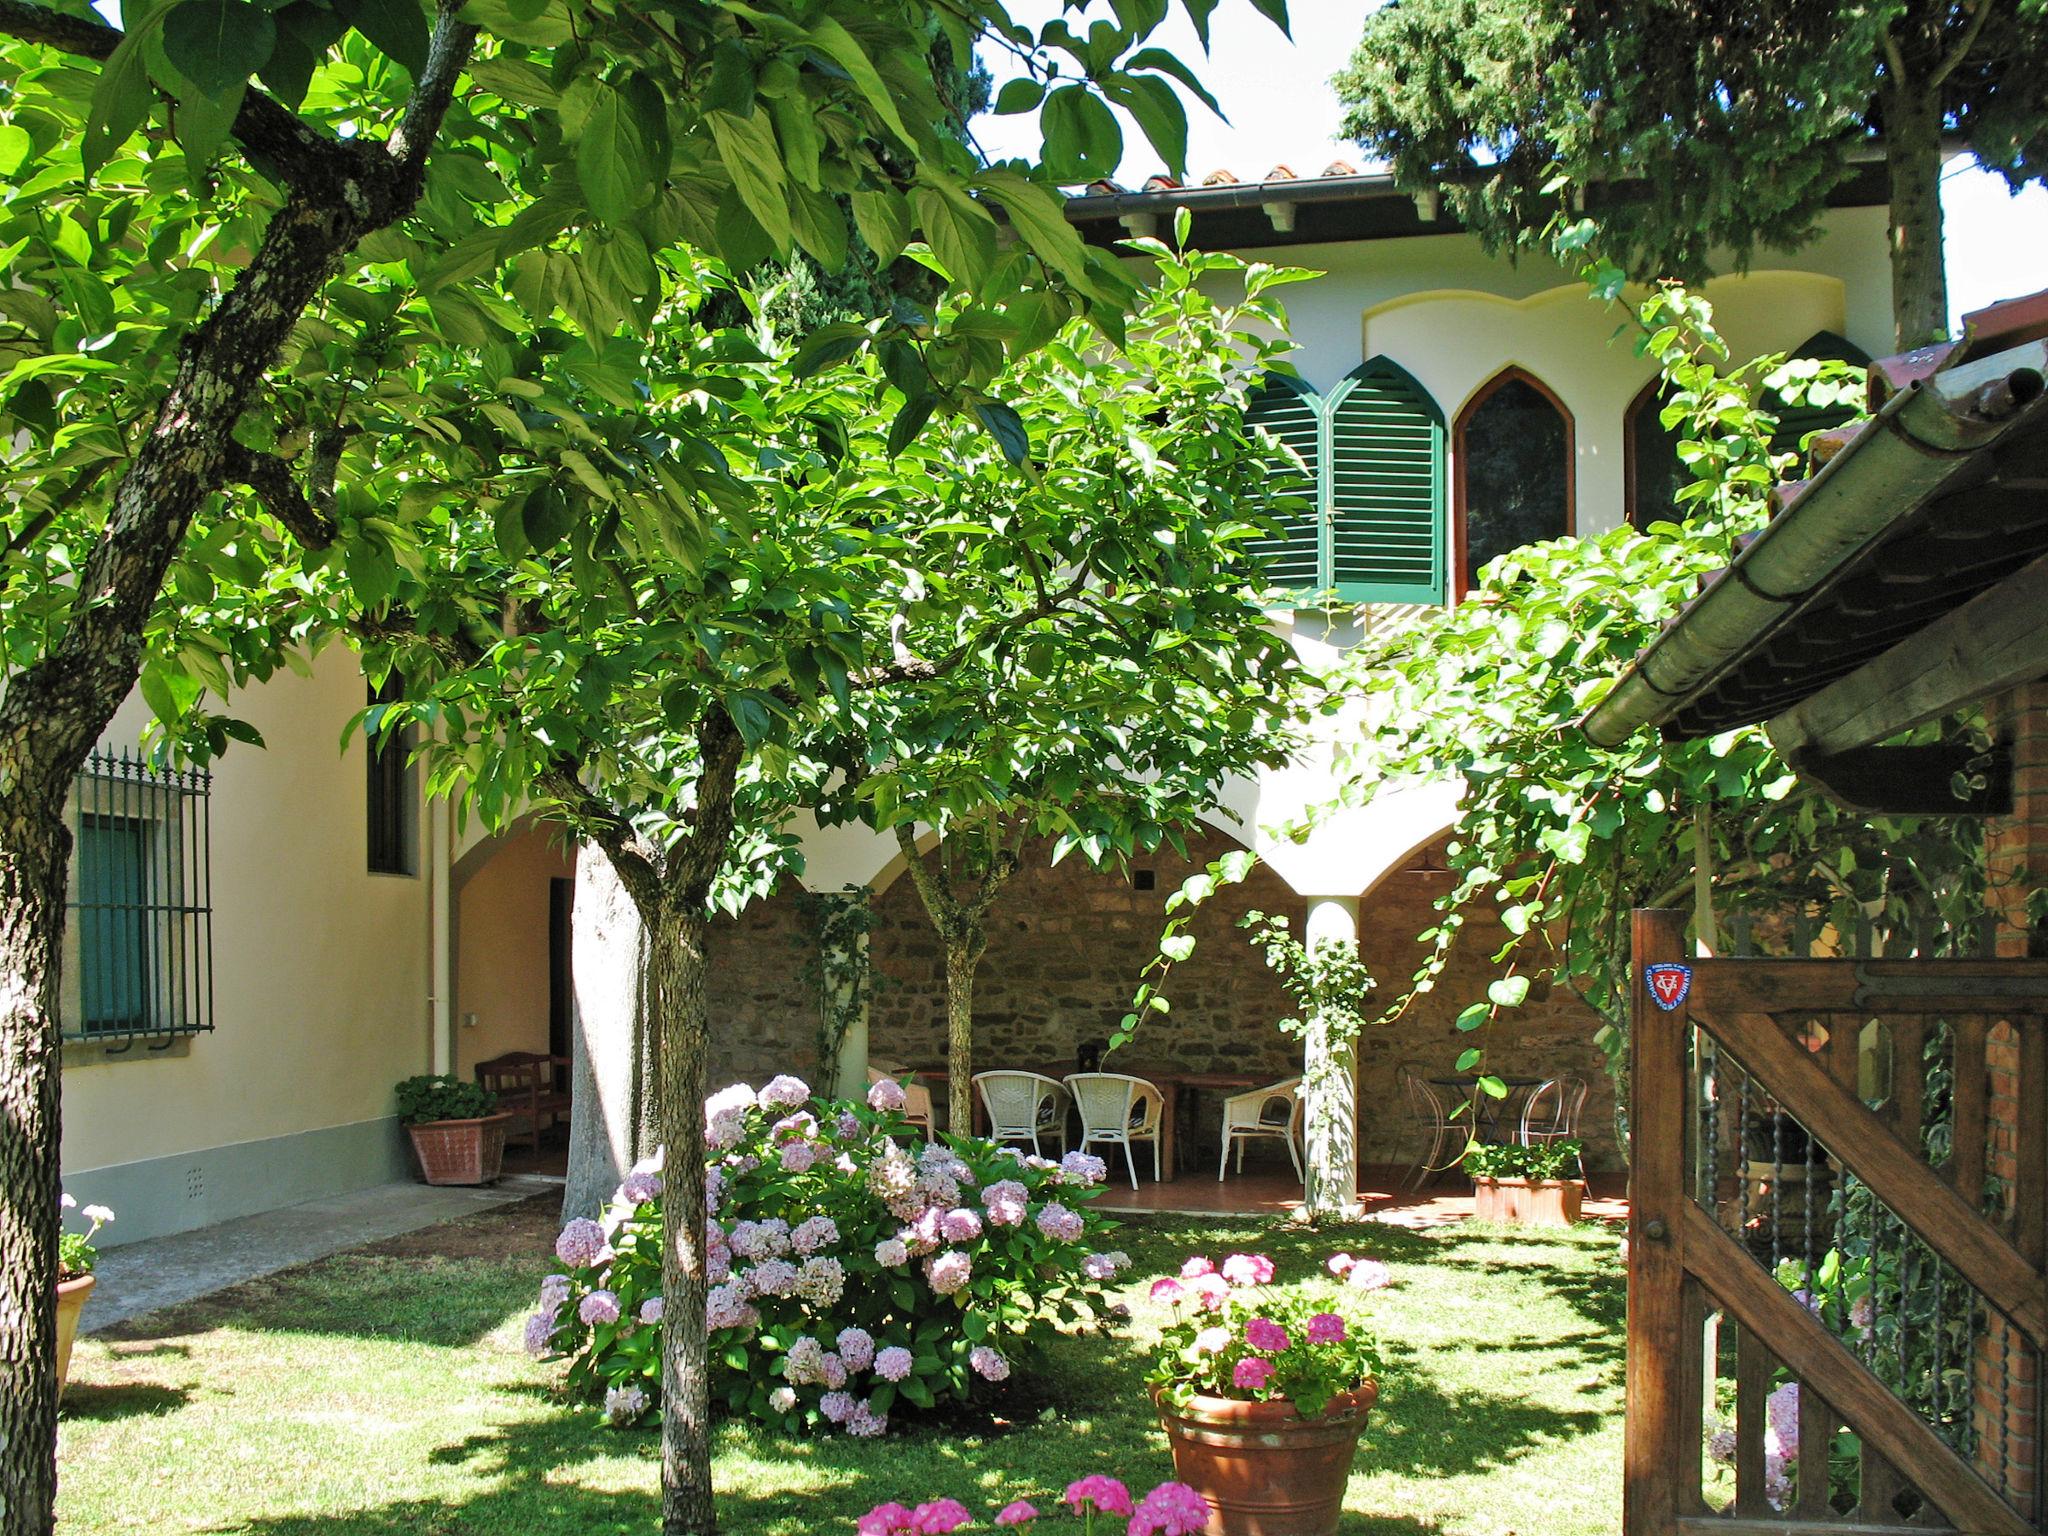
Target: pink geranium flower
x,y
1339,1264
1326,1328
1168,1289
1171,1509
1196,1267
1211,1291
1212,1341
1105,1494
890,1519
1371,1275
1252,1373
1248,1269
1264,1333
1018,1512
938,1517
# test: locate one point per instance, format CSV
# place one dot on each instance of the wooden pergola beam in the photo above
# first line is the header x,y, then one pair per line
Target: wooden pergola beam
x,y
1996,640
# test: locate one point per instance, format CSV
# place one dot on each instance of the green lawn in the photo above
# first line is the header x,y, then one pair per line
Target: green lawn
x,y
385,1391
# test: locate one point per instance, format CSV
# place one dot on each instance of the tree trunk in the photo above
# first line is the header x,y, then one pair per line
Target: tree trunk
x,y
34,848
1912,123
678,1010
964,949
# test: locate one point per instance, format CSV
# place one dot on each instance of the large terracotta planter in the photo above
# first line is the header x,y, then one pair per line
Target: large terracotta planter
x,y
460,1151
1264,1469
71,1298
1528,1202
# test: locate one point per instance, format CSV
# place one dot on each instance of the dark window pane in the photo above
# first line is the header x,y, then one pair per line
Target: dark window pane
x,y
1515,450
1657,475
393,824
113,922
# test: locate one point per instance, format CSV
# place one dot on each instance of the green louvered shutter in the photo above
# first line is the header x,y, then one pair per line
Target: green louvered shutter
x,y
1795,421
1288,411
1386,488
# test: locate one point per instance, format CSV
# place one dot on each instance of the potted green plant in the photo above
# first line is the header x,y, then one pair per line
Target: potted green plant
x,y
76,1257
457,1134
1263,1391
1525,1186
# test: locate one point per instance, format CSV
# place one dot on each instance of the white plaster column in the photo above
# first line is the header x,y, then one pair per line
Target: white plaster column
x,y
845,982
1330,1080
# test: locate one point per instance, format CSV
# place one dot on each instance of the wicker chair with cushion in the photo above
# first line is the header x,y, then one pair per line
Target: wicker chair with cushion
x,y
1273,1111
1118,1109
1023,1106
524,1082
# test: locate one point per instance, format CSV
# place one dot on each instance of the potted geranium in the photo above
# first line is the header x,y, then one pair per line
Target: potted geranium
x,y
76,1257
457,1135
1525,1186
1263,1391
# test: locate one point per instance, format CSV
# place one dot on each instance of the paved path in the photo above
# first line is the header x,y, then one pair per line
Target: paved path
x,y
163,1271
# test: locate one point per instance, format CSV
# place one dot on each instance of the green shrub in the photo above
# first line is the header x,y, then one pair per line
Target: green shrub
x,y
1506,1160
424,1099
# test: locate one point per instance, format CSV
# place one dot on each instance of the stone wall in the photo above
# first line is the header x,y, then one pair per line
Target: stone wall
x,y
1066,947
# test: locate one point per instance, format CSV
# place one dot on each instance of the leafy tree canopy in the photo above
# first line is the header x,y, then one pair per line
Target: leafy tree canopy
x,y
1698,129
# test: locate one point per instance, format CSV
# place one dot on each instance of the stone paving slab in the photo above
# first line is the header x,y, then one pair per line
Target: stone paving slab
x,y
163,1271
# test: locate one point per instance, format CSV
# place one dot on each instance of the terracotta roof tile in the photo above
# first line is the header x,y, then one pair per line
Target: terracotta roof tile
x,y
1220,177
1160,184
1340,168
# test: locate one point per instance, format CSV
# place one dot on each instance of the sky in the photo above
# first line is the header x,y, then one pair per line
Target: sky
x,y
1283,111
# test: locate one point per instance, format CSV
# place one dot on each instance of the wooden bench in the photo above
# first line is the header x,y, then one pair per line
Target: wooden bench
x,y
524,1082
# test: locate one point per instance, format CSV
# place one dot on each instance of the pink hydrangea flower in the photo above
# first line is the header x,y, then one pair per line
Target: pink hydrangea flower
x,y
771,1277
1168,1289
599,1307
1264,1333
891,1252
1171,1509
639,1188
821,1281
1326,1328
939,1517
1060,1224
1248,1269
864,1423
785,1092
1106,1494
1082,1168
540,1331
886,1097
800,1156
1105,1266
554,1290
894,1363
650,1310
1252,1373
813,1233
886,1520
948,1271
782,1399
1006,1202
804,1363
1196,1267
837,1407
856,1348
960,1226
580,1243
1017,1512
832,1371
727,1307
988,1364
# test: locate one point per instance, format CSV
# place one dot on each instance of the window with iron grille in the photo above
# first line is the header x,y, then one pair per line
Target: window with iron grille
x,y
138,951
392,804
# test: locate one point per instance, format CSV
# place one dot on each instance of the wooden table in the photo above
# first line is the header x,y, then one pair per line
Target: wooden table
x,y
1170,1086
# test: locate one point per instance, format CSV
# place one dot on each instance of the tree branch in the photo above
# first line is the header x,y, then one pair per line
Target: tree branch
x,y
278,493
1973,29
419,123
940,904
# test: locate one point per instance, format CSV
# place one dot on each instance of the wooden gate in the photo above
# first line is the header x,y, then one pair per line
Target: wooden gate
x,y
1836,1304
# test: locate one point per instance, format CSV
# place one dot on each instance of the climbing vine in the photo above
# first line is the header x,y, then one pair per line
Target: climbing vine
x,y
836,968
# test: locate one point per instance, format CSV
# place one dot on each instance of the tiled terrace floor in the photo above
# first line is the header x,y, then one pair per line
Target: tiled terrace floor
x,y
1266,1193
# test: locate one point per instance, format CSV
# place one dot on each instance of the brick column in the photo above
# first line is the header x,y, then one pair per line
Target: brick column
x,y
2007,1393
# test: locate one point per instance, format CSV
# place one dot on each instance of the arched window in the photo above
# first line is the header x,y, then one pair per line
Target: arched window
x,y
1386,488
1290,411
1652,476
1514,471
1796,421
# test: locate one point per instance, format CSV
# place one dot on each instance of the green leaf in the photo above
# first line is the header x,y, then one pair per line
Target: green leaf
x,y
397,27
1508,991
747,146
1007,428
917,410
120,105
1469,1058
1474,1017
1167,64
1158,112
546,517
218,44
15,143
838,44
1039,215
1493,1087
962,234
612,163
827,347
883,219
1082,138
1019,95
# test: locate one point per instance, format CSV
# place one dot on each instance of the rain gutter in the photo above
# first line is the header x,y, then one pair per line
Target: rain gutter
x,y
1901,457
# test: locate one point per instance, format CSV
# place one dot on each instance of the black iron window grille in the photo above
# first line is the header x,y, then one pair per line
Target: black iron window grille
x,y
138,951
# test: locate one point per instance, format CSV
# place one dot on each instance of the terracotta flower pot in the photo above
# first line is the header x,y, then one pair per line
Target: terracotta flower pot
x,y
1264,1469
71,1298
460,1151
1527,1202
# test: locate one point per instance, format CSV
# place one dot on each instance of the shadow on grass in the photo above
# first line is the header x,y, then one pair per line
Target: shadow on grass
x,y
101,1403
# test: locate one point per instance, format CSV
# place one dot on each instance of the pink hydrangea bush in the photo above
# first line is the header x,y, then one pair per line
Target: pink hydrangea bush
x,y
1233,1332
855,1269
